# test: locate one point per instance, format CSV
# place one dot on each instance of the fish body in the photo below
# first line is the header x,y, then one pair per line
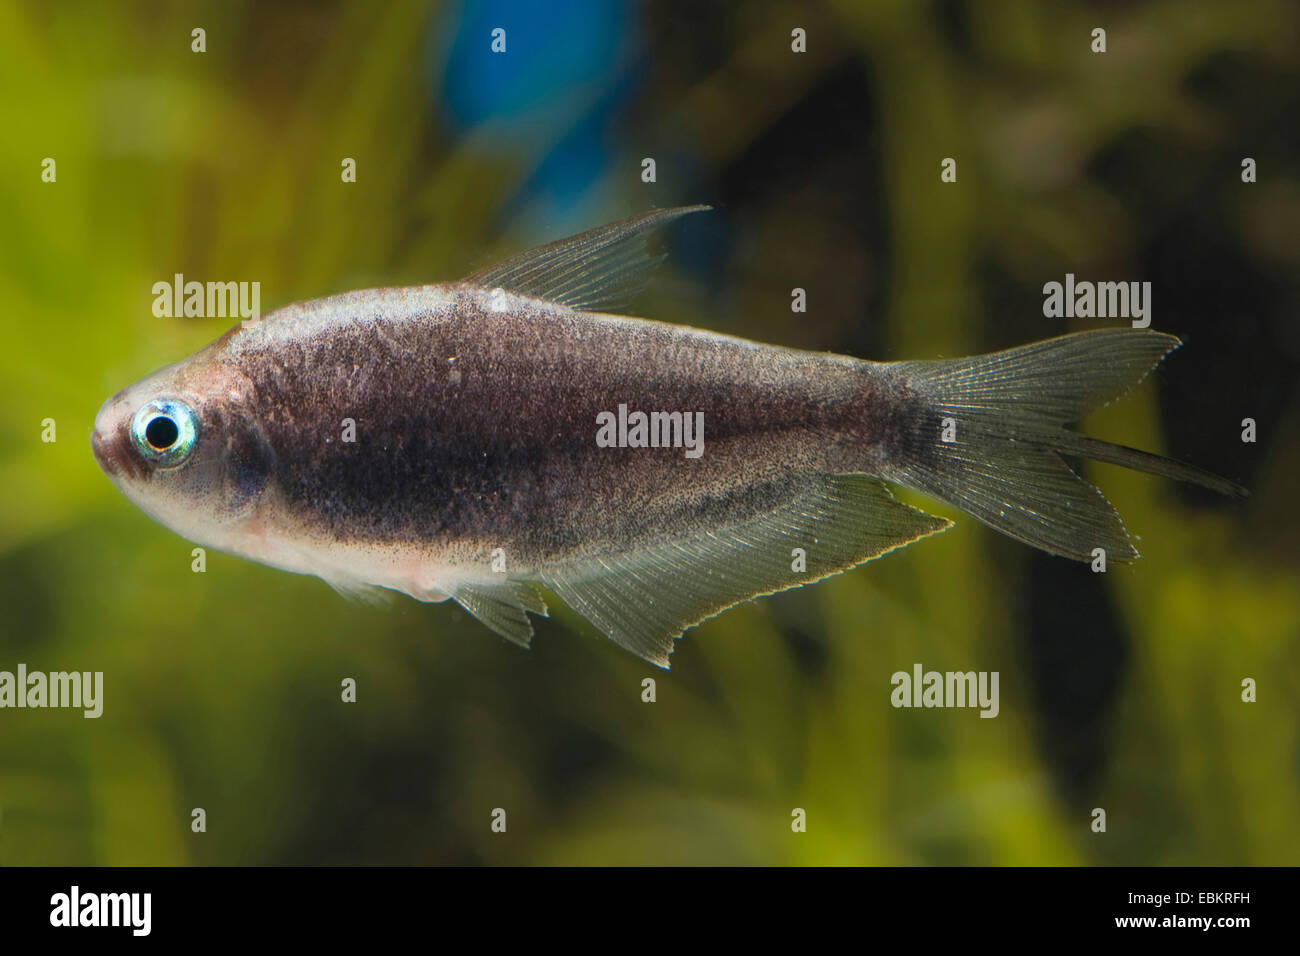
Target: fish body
x,y
478,439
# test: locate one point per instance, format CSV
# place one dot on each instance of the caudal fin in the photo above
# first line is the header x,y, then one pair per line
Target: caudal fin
x,y
985,434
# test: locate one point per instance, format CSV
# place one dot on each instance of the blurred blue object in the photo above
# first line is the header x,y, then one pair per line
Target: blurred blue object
x,y
568,65
555,52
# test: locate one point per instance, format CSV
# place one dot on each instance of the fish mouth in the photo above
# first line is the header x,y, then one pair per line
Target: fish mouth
x,y
113,455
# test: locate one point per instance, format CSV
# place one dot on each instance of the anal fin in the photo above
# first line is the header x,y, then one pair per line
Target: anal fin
x,y
643,600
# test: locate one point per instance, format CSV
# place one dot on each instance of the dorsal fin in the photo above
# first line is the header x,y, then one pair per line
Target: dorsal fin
x,y
599,270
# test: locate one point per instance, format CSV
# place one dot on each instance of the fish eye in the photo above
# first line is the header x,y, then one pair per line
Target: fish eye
x,y
165,431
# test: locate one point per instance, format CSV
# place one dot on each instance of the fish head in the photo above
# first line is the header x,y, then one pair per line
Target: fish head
x,y
185,447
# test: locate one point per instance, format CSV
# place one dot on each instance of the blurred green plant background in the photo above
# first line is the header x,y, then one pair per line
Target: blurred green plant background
x,y
222,690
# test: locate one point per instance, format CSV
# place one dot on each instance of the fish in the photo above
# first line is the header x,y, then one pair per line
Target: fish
x,y
512,433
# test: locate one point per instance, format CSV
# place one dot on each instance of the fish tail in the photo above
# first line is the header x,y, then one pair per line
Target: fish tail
x,y
986,435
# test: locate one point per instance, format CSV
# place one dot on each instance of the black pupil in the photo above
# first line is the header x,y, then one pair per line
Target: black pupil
x,y
161,433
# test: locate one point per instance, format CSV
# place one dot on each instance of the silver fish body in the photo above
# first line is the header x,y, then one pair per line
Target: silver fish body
x,y
476,422
478,439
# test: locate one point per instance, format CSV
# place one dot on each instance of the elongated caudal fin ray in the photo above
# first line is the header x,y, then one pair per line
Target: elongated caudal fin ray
x,y
503,607
984,434
643,600
600,270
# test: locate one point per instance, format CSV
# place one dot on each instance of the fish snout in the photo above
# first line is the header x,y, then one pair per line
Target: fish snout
x,y
109,444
